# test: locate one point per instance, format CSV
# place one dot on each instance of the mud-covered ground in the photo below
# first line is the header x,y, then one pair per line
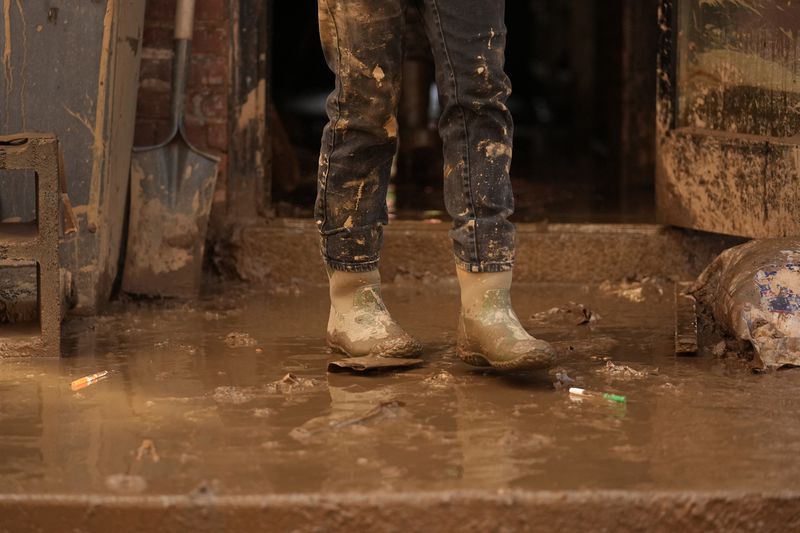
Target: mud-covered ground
x,y
199,401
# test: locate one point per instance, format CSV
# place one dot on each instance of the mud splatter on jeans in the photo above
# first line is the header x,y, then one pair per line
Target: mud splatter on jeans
x,y
363,45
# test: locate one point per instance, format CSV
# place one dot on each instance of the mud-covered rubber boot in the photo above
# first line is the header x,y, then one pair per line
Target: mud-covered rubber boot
x,y
359,323
489,332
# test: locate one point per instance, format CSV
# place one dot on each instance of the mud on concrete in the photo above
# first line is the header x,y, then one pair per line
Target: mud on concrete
x,y
262,434
555,253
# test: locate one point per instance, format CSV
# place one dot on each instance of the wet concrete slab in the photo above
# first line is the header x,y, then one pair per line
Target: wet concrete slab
x,y
573,253
220,414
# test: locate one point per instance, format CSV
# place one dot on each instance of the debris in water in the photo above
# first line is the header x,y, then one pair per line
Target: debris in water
x,y
625,371
368,363
563,379
719,349
86,381
752,292
441,379
634,290
291,383
583,393
685,321
205,489
316,426
571,314
239,340
167,344
586,347
147,448
231,395
389,409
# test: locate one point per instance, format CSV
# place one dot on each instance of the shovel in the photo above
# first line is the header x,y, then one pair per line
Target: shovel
x,y
172,187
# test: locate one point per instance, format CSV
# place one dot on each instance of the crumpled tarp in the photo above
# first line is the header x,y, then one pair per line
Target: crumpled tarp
x,y
753,294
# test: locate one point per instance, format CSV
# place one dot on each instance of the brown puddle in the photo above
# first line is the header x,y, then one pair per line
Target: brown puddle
x,y
187,409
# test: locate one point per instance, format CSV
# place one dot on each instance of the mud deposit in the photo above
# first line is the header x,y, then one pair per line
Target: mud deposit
x,y
185,411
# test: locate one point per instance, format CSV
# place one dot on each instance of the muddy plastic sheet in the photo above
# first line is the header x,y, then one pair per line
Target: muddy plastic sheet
x,y
753,293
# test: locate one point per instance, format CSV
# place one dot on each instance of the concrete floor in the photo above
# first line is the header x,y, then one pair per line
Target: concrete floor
x,y
196,430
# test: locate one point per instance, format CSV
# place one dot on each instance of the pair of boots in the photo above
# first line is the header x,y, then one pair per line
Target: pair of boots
x,y
489,332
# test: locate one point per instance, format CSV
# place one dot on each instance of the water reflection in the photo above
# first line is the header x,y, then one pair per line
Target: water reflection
x,y
226,419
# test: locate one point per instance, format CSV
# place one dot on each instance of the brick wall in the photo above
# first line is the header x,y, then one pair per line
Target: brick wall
x,y
207,99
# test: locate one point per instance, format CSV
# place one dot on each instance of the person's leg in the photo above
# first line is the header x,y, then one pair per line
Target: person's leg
x,y
468,38
362,42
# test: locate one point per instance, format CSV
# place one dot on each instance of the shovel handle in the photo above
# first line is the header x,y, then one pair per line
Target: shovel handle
x,y
184,19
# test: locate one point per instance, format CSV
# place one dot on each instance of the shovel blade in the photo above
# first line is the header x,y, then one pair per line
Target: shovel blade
x,y
172,188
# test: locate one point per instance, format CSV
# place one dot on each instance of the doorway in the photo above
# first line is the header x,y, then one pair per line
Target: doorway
x,y
583,73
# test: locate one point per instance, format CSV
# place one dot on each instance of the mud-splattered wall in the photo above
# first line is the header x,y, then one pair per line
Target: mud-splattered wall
x,y
728,154
738,66
70,68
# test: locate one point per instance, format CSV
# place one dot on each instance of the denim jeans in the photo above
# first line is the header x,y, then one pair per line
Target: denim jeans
x,y
363,45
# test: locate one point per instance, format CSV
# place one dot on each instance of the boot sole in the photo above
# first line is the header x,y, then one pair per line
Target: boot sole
x,y
525,362
406,351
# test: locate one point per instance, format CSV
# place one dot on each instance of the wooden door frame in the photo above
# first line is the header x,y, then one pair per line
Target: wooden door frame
x,y
248,191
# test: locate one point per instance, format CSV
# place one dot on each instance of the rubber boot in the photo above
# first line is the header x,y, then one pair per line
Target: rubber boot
x,y
489,332
359,323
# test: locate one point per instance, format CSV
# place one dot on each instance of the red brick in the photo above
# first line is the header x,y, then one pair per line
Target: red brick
x,y
211,41
156,69
207,105
208,71
196,132
153,105
145,133
218,135
211,10
161,10
151,132
158,36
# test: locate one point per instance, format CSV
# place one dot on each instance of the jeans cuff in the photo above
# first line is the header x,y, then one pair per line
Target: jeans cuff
x,y
366,266
477,268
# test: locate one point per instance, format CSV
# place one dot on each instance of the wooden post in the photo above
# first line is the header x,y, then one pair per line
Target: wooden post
x,y
249,180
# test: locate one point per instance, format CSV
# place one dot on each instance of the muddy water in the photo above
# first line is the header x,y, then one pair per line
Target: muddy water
x,y
191,408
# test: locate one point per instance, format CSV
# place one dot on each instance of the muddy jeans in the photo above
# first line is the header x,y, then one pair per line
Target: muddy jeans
x,y
363,45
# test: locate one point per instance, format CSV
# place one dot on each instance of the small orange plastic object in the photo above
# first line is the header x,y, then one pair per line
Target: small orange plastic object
x,y
85,381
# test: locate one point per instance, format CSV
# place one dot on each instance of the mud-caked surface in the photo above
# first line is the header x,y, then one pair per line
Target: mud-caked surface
x,y
230,396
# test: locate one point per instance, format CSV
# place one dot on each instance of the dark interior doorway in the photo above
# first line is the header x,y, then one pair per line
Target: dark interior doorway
x,y
584,106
